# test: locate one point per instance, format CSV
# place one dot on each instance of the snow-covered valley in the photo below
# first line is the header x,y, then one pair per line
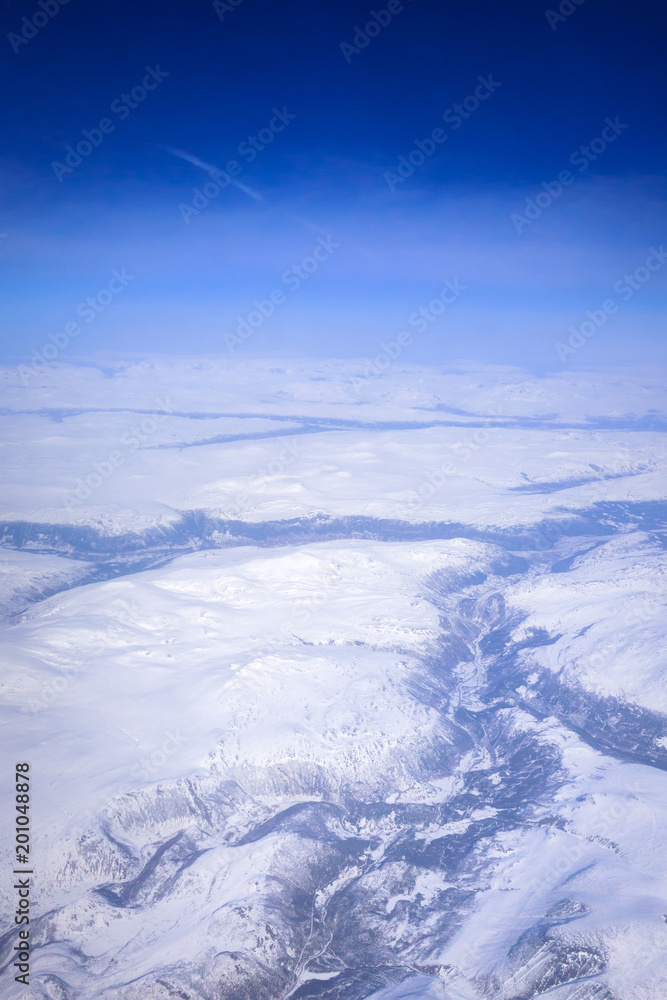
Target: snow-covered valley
x,y
338,688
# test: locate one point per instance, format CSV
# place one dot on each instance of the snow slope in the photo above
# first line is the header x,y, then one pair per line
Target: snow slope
x,y
337,687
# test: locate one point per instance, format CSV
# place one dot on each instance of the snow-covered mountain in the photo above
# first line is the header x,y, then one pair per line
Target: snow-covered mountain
x,y
337,686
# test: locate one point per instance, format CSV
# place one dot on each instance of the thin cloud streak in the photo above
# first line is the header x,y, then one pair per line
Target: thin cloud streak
x,y
211,169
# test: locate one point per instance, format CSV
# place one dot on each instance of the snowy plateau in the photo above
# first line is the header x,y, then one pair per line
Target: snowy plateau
x,y
336,687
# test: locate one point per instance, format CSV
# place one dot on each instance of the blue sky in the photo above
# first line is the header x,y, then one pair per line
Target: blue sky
x,y
364,149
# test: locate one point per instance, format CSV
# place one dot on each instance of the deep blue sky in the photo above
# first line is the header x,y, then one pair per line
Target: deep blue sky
x,y
325,173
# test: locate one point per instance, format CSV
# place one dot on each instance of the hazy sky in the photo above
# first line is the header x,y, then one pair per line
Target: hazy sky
x,y
514,150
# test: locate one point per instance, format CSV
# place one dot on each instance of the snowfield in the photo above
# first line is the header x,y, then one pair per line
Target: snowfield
x,y
336,687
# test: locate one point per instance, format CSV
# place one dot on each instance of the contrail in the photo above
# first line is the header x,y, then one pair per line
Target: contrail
x,y
209,168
